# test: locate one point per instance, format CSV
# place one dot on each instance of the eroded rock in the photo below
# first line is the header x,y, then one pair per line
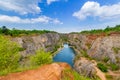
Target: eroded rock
x,y
85,67
106,47
47,72
47,41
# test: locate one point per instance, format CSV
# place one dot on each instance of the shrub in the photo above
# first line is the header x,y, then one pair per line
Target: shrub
x,y
41,57
106,59
114,66
9,55
102,67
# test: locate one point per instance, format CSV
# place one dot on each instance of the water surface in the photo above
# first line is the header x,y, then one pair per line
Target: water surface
x,y
67,55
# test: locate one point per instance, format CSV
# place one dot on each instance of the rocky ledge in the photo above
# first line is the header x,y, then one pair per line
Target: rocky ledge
x,y
46,72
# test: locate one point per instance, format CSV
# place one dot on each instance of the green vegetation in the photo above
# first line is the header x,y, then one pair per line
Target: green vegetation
x,y
64,38
55,48
41,58
106,59
15,32
106,30
88,45
9,55
77,57
116,50
109,77
113,66
84,53
69,74
112,77
102,67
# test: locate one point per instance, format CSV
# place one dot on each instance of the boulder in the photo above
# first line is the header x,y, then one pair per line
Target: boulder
x,y
85,67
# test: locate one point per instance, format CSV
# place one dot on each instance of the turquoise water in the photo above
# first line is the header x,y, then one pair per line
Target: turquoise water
x,y
67,55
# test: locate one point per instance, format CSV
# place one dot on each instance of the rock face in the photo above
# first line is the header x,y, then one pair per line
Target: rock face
x,y
47,72
99,47
78,41
106,47
85,67
48,42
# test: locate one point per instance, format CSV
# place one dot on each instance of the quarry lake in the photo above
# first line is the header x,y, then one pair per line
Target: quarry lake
x,y
67,55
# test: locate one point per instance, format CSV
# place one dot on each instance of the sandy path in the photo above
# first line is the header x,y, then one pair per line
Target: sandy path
x,y
113,73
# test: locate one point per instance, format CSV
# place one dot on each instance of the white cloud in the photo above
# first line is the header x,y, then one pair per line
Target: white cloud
x,y
20,6
56,21
94,9
51,1
40,19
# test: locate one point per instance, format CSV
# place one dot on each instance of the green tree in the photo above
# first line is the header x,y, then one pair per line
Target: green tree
x,y
41,57
9,55
5,30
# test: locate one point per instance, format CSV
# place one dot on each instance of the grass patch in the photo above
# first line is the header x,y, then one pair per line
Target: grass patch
x,y
116,50
109,77
68,74
84,53
106,59
102,67
114,66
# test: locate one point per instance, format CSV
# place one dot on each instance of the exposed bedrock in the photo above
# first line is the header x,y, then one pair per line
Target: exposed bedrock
x,y
48,42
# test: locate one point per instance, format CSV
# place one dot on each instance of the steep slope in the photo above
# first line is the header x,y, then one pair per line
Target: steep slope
x,y
47,72
106,47
102,48
48,42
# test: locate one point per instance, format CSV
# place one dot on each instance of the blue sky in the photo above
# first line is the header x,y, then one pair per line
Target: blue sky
x,y
59,15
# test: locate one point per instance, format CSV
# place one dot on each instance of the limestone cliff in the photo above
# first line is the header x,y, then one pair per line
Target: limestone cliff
x,y
102,48
106,47
48,42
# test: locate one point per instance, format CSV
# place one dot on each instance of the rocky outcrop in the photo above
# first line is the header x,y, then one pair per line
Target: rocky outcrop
x,y
85,67
48,42
47,72
99,47
106,48
78,41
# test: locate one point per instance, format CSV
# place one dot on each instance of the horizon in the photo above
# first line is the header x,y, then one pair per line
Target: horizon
x,y
62,16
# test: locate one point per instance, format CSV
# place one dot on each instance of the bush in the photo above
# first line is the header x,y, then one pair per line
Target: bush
x,y
41,57
9,55
106,59
102,67
114,66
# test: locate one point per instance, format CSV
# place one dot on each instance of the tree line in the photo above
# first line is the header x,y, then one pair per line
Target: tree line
x,y
107,30
15,32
